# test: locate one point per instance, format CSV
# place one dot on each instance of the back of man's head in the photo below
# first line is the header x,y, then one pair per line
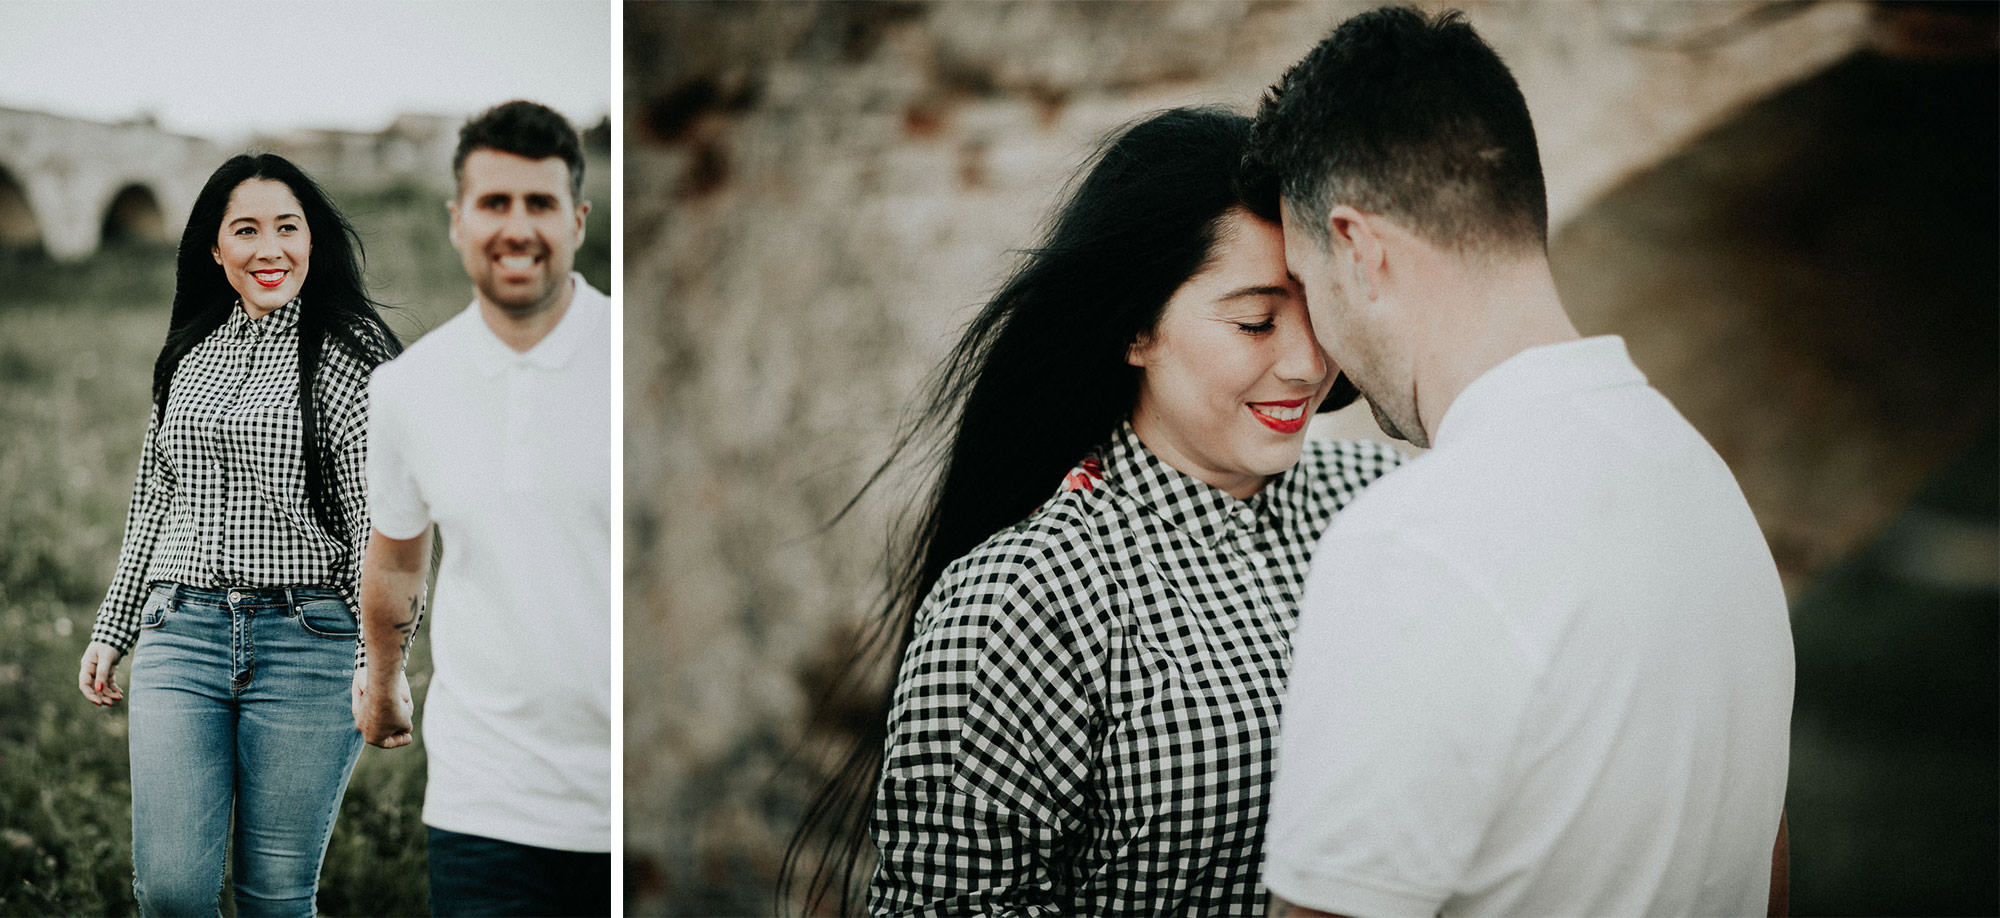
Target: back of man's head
x,y
525,129
1411,117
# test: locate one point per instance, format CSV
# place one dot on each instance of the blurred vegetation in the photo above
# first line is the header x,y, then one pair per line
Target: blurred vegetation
x,y
77,343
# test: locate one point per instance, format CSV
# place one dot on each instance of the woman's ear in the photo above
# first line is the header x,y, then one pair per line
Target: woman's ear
x,y
1140,350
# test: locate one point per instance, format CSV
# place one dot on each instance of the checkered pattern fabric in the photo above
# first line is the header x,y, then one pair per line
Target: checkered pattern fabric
x,y
220,499
1085,720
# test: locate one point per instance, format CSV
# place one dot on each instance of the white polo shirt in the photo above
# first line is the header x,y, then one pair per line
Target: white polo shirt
x,y
510,454
1545,669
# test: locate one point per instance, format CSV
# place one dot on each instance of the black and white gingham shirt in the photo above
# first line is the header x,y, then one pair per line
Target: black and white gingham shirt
x,y
220,499
1085,720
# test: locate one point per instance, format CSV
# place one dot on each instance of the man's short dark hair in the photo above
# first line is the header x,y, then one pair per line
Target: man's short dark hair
x,y
1411,117
524,129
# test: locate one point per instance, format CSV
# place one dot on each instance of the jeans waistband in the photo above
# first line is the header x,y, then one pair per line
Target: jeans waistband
x,y
251,597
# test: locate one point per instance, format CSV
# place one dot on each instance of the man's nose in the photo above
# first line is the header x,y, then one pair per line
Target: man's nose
x,y
516,225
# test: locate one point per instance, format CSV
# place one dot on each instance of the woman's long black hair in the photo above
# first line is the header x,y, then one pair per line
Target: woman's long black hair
x,y
1036,382
333,306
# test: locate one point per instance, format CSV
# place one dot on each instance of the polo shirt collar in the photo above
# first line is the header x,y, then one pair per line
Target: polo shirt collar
x,y
492,355
1196,507
1538,375
239,325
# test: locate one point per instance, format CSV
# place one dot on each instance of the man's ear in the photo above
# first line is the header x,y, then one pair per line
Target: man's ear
x,y
1354,235
451,207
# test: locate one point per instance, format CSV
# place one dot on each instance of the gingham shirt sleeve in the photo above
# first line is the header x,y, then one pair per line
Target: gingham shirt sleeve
x,y
152,491
989,755
347,426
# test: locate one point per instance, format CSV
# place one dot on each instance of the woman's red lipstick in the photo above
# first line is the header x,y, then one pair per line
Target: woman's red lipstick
x,y
1291,416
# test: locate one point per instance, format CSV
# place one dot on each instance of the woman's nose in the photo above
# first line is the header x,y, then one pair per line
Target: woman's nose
x,y
1300,358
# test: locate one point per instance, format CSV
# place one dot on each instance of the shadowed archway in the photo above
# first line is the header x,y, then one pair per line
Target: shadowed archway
x,y
19,229
133,218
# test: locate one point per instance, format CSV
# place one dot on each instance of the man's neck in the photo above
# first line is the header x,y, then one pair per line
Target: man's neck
x,y
522,331
1490,311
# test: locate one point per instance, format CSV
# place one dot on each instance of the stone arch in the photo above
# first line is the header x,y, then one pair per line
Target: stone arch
x,y
19,226
133,217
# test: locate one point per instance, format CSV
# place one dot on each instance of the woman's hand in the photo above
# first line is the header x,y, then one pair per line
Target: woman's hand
x,y
383,719
98,678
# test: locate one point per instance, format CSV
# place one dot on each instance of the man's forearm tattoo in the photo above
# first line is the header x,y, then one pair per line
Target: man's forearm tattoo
x,y
408,626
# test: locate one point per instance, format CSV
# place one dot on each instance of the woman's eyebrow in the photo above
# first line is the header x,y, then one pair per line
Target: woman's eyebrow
x,y
1255,290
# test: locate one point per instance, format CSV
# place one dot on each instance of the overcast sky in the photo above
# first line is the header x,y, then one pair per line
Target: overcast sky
x,y
226,69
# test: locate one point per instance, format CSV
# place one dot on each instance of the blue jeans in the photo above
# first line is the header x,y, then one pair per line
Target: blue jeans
x,y
475,875
239,703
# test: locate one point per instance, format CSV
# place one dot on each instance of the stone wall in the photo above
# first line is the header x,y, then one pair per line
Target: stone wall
x,y
819,195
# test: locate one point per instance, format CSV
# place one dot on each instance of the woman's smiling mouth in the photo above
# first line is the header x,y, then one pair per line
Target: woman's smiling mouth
x,y
1285,417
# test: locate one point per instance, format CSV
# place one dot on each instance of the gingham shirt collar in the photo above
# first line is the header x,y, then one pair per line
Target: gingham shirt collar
x,y
240,326
1204,511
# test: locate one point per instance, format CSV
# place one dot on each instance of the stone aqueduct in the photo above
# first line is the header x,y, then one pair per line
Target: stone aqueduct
x,y
70,186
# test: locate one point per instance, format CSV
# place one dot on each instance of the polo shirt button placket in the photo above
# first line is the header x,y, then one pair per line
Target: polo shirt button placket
x,y
518,427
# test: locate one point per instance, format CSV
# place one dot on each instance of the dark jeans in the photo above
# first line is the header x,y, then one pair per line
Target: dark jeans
x,y
475,875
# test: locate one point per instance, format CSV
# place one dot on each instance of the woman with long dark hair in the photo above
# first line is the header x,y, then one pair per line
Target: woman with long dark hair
x,y
1093,611
237,578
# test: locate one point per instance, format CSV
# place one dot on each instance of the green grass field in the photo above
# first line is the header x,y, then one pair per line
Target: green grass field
x,y
75,406
77,344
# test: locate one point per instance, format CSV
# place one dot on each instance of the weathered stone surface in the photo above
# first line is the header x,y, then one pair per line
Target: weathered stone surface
x,y
65,181
818,195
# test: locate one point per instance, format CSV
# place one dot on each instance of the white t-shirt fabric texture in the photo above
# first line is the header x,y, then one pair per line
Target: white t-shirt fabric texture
x,y
1544,669
510,454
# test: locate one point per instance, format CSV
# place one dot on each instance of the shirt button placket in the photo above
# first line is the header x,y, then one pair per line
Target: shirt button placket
x,y
516,447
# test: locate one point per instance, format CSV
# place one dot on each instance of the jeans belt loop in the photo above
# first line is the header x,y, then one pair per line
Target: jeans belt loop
x,y
291,600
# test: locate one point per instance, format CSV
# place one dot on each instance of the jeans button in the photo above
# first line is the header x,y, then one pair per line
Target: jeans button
x,y
235,596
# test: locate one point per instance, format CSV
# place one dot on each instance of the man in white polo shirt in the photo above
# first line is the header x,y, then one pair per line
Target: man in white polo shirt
x,y
496,427
1546,668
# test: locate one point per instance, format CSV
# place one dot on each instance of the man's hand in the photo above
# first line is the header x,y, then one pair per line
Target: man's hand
x,y
383,716
392,596
98,677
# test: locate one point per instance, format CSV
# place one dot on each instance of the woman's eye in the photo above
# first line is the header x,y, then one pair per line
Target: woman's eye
x,y
1257,327
244,231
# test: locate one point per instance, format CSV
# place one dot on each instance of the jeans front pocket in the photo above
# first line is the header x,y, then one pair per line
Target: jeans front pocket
x,y
153,615
328,618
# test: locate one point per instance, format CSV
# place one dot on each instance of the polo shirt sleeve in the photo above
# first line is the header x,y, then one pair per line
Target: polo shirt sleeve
x,y
396,504
1407,686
